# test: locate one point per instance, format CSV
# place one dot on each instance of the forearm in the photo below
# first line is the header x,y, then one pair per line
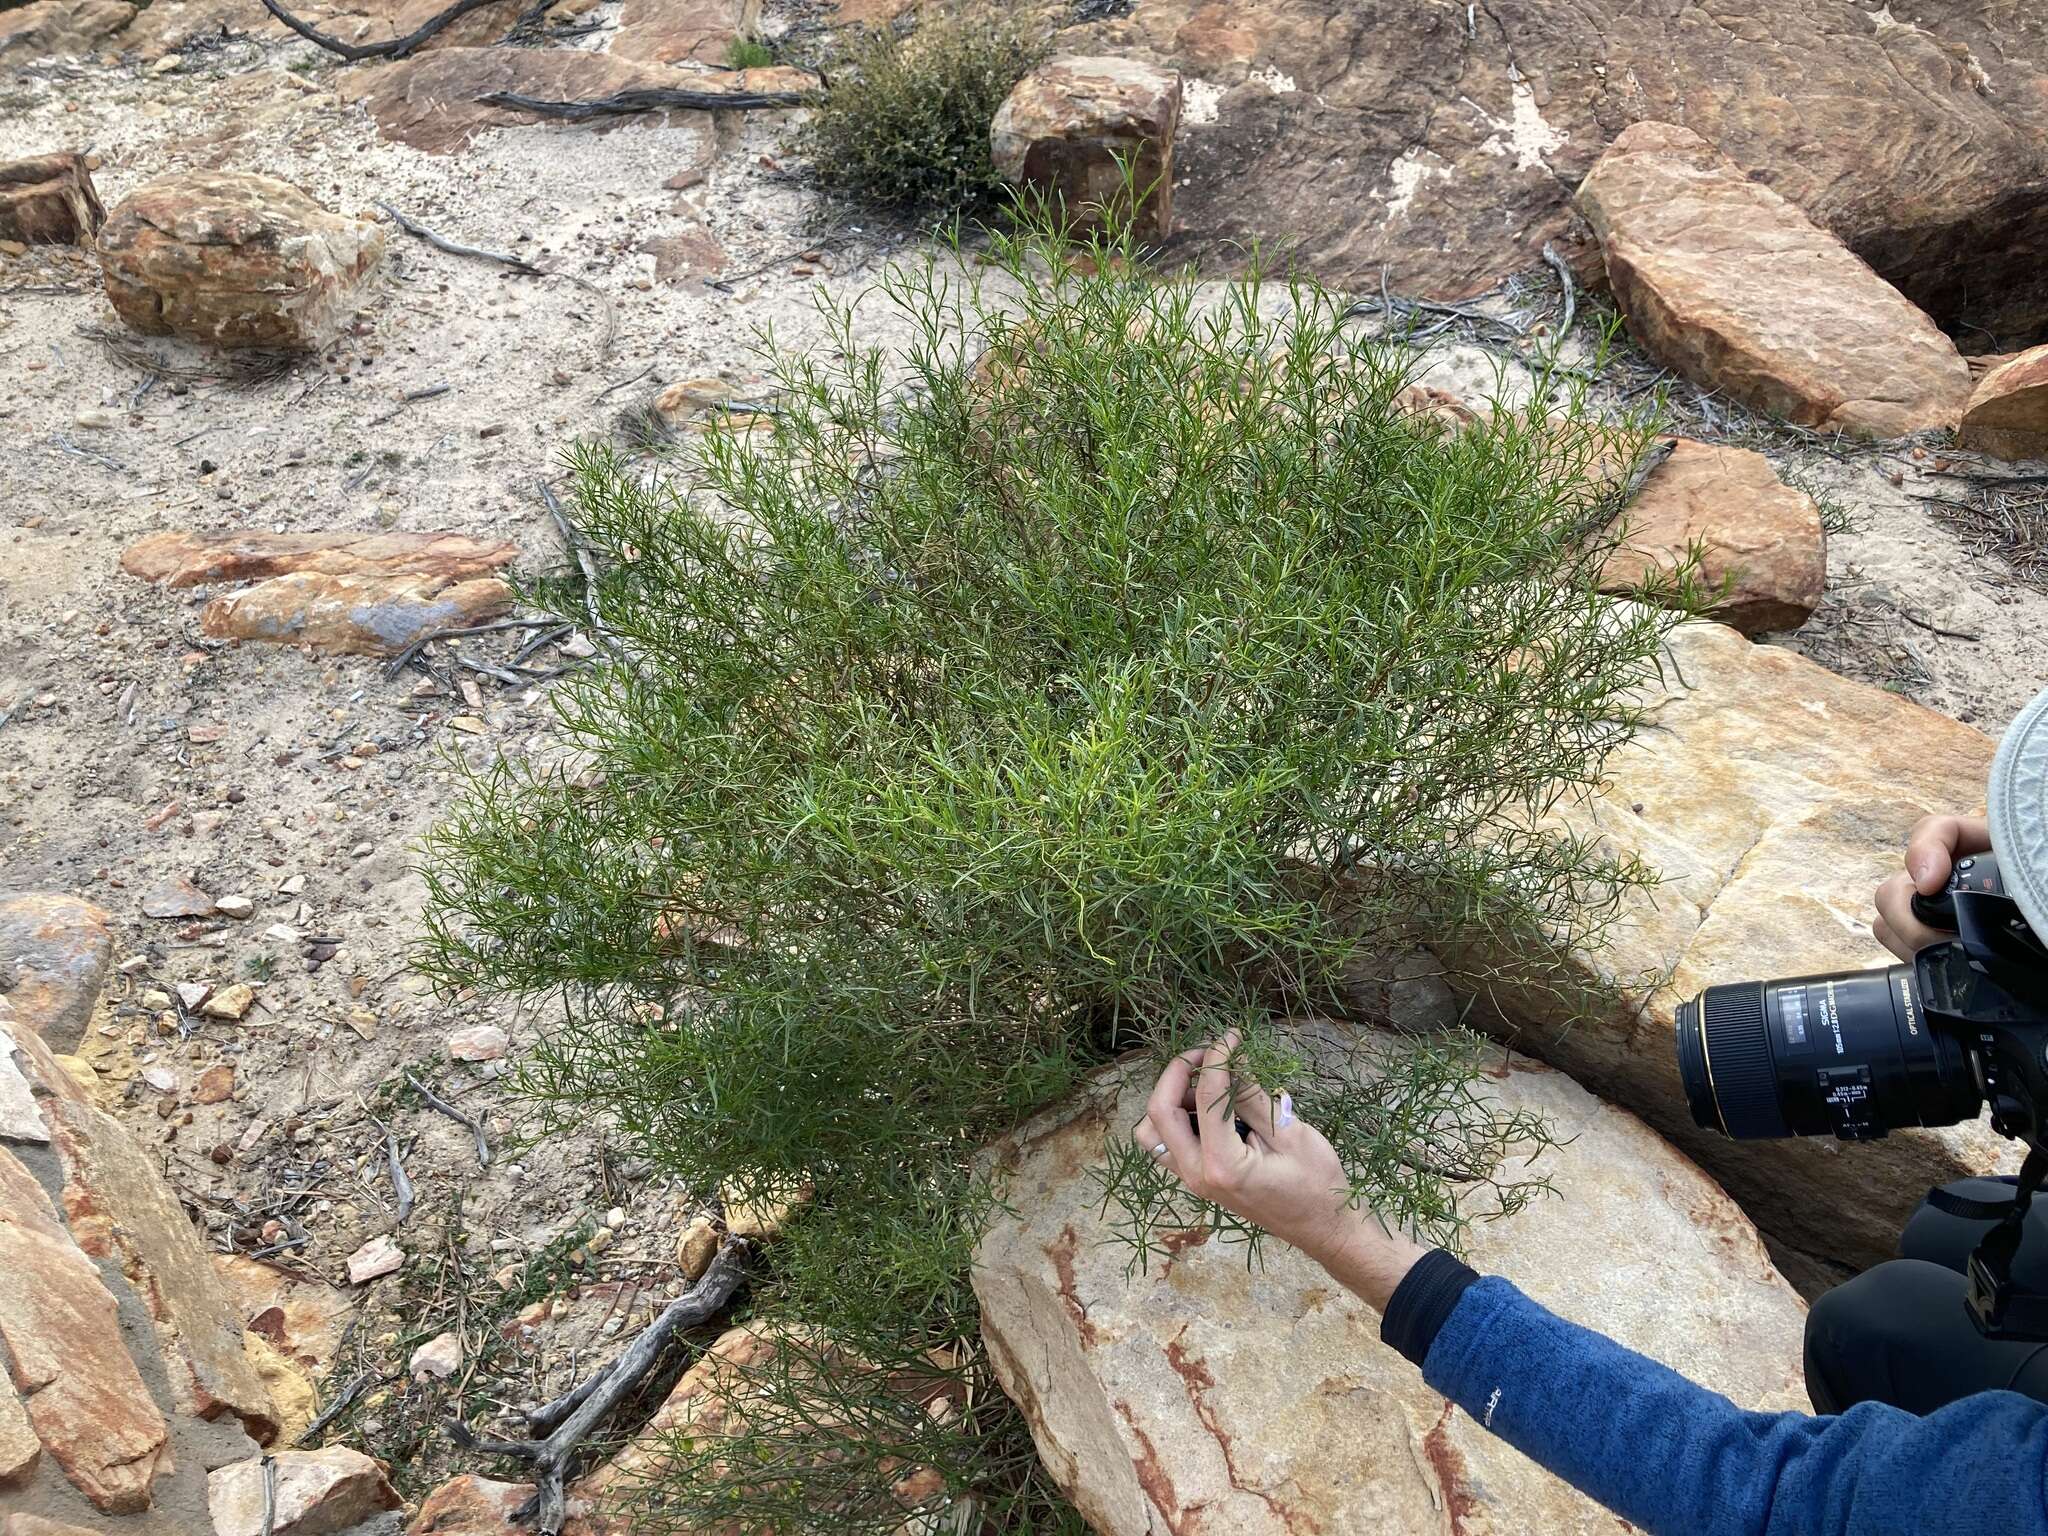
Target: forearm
x,y
1670,1456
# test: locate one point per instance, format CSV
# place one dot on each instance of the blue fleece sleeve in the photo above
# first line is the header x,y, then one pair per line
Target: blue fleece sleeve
x,y
1672,1457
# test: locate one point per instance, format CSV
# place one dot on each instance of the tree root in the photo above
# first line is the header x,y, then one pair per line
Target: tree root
x,y
575,1415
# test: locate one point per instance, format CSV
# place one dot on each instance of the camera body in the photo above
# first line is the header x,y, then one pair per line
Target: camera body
x,y
1861,1053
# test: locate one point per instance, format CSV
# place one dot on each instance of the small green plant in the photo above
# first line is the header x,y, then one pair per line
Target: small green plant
x,y
260,967
749,53
905,124
1123,661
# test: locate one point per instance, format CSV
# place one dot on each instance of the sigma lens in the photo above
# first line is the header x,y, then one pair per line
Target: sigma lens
x,y
1850,1055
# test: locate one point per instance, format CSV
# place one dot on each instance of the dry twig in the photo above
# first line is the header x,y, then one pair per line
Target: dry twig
x,y
645,99
391,47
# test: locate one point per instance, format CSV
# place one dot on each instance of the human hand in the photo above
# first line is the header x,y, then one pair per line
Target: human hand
x,y
1932,848
1281,1173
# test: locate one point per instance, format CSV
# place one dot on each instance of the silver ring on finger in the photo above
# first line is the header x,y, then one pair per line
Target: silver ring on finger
x,y
1160,1150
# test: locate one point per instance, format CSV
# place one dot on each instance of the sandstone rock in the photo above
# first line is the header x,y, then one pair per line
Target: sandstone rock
x,y
58,28
235,260
49,200
1067,123
683,31
57,949
471,1506
20,1450
437,1359
20,1119
2007,416
1757,534
35,1525
1205,1394
303,1319
1733,286
431,100
479,1042
379,1256
63,1340
365,615
318,1493
1771,796
119,1208
1444,141
762,1218
293,1397
187,559
216,1084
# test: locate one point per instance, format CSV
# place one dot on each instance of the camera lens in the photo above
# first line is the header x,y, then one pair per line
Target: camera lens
x,y
1850,1055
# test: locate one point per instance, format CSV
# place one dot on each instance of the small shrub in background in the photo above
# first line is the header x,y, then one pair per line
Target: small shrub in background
x,y
749,53
1123,662
905,123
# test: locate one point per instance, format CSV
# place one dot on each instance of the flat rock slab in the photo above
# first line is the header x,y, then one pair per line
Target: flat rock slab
x,y
232,259
1733,286
1203,1395
2007,416
1771,796
60,1325
1444,141
430,101
184,558
363,615
56,948
1756,535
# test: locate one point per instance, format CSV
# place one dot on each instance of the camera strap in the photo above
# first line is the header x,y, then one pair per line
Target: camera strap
x,y
2013,1206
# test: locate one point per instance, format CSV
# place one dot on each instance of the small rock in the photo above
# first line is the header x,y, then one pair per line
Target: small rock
x,y
313,1493
230,1002
49,200
177,897
1071,127
162,1079
479,1042
763,1218
379,1256
216,1085
283,933
192,993
95,418
697,1246
469,725
155,1001
237,907
437,1359
353,615
600,1240
615,1218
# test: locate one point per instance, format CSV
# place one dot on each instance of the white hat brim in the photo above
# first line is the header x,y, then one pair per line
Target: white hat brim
x,y
2016,807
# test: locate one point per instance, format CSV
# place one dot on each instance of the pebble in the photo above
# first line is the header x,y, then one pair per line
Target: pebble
x,y
193,993
162,1079
237,907
231,1002
439,1358
480,1042
156,1001
362,850
379,1256
615,1218
697,1246
93,417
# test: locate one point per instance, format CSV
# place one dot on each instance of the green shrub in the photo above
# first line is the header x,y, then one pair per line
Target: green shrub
x,y
749,53
905,123
1122,662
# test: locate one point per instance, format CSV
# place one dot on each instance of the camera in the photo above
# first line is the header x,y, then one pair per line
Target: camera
x,y
1861,1053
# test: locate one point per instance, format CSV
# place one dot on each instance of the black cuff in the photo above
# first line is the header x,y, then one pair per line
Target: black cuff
x,y
1423,1302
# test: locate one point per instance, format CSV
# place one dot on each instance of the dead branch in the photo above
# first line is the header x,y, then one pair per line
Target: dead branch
x,y
441,242
643,99
391,47
476,1127
551,1458
401,1183
337,1408
1558,265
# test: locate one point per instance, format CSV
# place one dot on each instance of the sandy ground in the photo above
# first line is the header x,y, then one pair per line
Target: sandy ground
x,y
135,752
